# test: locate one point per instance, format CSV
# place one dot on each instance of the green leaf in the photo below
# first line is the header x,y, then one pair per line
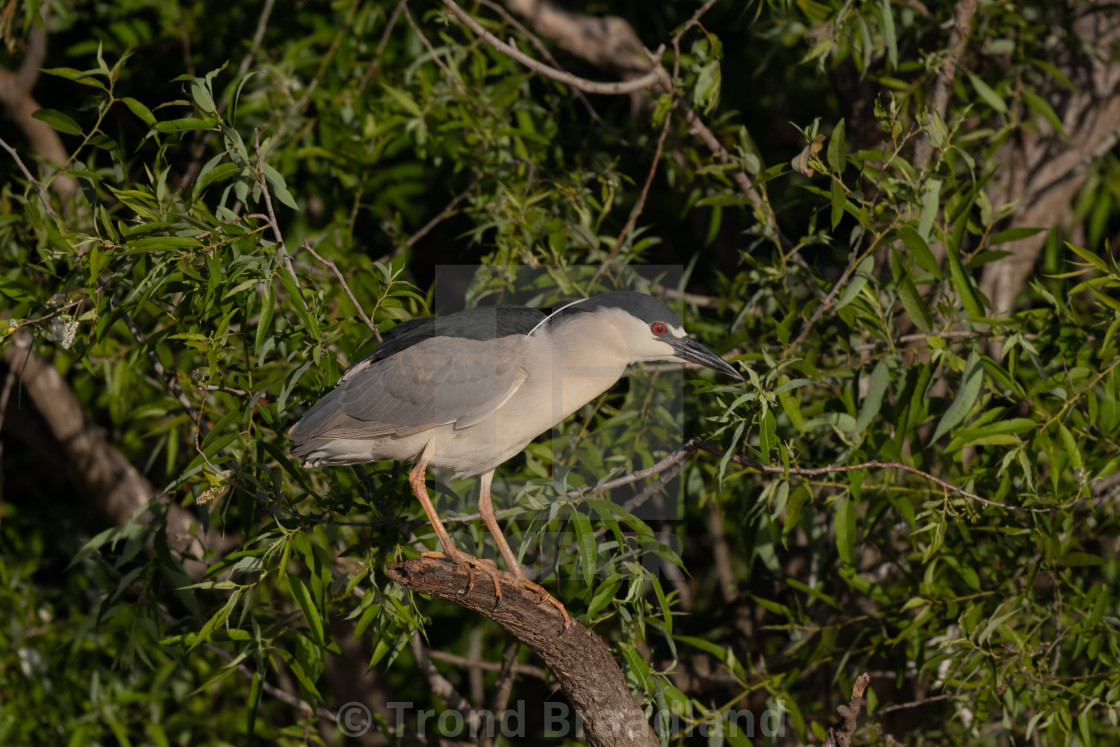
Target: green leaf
x,y
971,380
837,149
987,93
1013,234
302,597
144,113
214,174
585,537
202,96
838,201
873,401
858,280
603,596
58,121
85,77
889,34
1089,257
930,194
1040,106
844,524
279,187
916,307
919,250
962,282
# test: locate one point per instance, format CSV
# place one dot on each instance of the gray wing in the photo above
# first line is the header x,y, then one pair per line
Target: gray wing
x,y
438,381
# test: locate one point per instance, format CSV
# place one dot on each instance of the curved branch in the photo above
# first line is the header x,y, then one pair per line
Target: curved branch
x,y
581,661
648,80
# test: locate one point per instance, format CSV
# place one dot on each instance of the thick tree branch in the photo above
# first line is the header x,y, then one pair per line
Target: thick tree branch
x,y
1042,170
581,661
15,93
110,480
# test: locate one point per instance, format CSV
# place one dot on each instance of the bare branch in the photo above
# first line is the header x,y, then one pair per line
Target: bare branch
x,y
345,286
389,26
842,737
588,86
488,666
875,464
645,189
580,660
30,179
272,213
504,686
258,36
441,686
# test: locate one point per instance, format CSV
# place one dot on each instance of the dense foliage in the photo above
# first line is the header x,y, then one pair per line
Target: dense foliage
x,y
914,481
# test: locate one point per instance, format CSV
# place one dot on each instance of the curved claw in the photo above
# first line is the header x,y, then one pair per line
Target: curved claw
x,y
546,597
469,562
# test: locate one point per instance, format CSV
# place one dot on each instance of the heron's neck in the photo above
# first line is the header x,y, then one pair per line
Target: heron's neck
x,y
585,358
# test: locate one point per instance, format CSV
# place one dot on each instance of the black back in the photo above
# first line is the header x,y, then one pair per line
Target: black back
x,y
482,323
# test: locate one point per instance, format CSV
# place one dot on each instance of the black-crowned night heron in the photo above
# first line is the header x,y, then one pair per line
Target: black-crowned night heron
x,y
469,390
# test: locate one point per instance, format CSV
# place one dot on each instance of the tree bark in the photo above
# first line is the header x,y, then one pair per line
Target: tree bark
x,y
109,480
585,668
1042,171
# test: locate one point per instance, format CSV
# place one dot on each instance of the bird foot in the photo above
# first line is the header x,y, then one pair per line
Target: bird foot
x,y
469,562
545,597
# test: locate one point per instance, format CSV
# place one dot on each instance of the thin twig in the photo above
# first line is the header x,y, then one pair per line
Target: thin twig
x,y
488,666
589,86
272,213
441,686
169,381
645,189
504,685
450,208
389,26
5,394
433,54
857,258
258,36
694,21
30,179
834,469
345,286
540,47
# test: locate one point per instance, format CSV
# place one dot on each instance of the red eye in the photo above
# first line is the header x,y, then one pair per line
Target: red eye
x,y
658,328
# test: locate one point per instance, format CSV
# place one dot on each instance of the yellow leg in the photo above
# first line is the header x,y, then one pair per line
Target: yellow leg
x,y
486,511
466,560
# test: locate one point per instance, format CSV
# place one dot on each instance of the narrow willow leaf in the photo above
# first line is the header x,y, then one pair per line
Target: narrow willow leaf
x,y
991,98
859,279
876,388
585,537
844,524
58,121
970,389
837,149
931,192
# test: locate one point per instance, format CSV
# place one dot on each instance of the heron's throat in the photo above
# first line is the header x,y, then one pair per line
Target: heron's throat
x,y
585,359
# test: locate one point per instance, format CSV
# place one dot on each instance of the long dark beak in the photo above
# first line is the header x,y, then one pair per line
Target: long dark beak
x,y
689,350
